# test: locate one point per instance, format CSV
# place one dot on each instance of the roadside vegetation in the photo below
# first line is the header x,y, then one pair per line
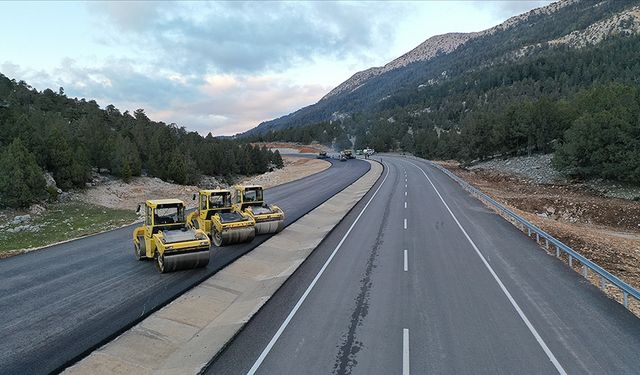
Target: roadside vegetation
x,y
58,222
47,132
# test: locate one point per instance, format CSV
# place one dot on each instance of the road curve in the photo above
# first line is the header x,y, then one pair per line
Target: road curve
x,y
429,281
59,303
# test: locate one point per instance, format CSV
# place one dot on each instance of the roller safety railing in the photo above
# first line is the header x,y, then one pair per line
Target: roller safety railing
x,y
604,277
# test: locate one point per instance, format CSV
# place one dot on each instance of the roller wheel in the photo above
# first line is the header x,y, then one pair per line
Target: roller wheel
x,y
160,264
217,237
139,255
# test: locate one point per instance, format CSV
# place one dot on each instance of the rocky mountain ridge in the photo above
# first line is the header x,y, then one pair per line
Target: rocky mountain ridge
x,y
440,59
436,45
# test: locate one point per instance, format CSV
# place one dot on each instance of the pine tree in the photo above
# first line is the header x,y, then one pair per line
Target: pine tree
x,y
277,159
177,169
21,179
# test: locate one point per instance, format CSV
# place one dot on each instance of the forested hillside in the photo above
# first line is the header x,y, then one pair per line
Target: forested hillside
x,y
49,132
520,89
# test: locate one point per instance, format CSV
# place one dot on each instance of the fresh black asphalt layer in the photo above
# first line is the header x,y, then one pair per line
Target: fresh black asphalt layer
x,y
59,303
460,320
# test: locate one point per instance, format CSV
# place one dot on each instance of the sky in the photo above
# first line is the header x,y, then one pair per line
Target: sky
x,y
220,67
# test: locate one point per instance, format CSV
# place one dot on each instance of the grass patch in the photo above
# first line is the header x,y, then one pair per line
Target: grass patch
x,y
63,221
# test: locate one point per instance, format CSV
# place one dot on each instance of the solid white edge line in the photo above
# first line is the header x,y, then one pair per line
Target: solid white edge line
x,y
515,305
405,223
405,351
293,312
406,261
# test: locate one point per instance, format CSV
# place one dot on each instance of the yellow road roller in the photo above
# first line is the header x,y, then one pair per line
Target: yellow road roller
x,y
268,218
215,216
166,237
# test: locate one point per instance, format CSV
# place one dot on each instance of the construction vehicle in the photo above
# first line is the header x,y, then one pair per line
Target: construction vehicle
x,y
166,237
215,216
268,218
347,154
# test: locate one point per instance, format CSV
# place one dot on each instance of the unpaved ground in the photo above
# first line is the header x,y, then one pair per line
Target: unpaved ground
x,y
605,230
294,169
101,207
294,148
118,194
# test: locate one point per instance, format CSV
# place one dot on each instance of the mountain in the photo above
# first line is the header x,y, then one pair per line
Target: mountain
x,y
440,59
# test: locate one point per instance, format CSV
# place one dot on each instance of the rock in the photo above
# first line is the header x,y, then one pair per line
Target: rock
x,y
21,219
88,184
49,180
64,196
542,214
36,209
551,210
104,170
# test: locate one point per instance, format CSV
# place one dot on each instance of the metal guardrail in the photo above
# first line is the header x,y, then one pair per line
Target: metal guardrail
x,y
604,276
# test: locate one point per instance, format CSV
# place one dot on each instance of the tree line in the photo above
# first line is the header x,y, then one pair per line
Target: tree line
x,y
47,131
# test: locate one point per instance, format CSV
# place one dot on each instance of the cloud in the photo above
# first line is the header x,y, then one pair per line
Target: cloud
x,y
232,104
245,37
220,104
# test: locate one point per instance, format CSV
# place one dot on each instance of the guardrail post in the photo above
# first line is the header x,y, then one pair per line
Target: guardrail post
x,y
625,299
557,252
570,260
601,282
585,271
529,232
537,238
546,241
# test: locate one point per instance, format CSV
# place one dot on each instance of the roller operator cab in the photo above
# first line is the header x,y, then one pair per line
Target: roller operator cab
x,y
268,218
166,238
215,216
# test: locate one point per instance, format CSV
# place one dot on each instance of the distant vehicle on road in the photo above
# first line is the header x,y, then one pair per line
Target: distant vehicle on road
x,y
343,158
347,154
359,152
322,155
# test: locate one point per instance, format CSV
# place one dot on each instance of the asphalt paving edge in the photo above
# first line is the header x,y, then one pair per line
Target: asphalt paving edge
x,y
183,331
149,312
26,250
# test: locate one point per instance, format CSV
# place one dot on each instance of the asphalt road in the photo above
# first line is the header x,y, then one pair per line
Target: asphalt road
x,y
492,303
59,303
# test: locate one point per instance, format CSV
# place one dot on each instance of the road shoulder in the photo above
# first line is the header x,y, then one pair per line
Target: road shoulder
x,y
184,336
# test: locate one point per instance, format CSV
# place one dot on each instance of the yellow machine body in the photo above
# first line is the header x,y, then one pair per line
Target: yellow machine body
x,y
249,199
216,217
166,238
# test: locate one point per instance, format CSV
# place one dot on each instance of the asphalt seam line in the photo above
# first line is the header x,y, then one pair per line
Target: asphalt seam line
x,y
515,305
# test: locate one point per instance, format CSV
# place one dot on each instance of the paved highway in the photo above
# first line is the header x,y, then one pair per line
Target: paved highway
x,y
428,281
57,304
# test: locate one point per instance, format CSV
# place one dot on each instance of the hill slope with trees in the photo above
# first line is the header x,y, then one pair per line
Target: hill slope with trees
x,y
562,80
49,132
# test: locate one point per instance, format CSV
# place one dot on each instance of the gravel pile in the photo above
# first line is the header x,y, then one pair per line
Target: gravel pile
x,y
537,168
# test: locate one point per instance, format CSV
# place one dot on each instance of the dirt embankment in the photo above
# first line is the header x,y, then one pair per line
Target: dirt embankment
x,y
294,148
114,193
294,168
606,230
